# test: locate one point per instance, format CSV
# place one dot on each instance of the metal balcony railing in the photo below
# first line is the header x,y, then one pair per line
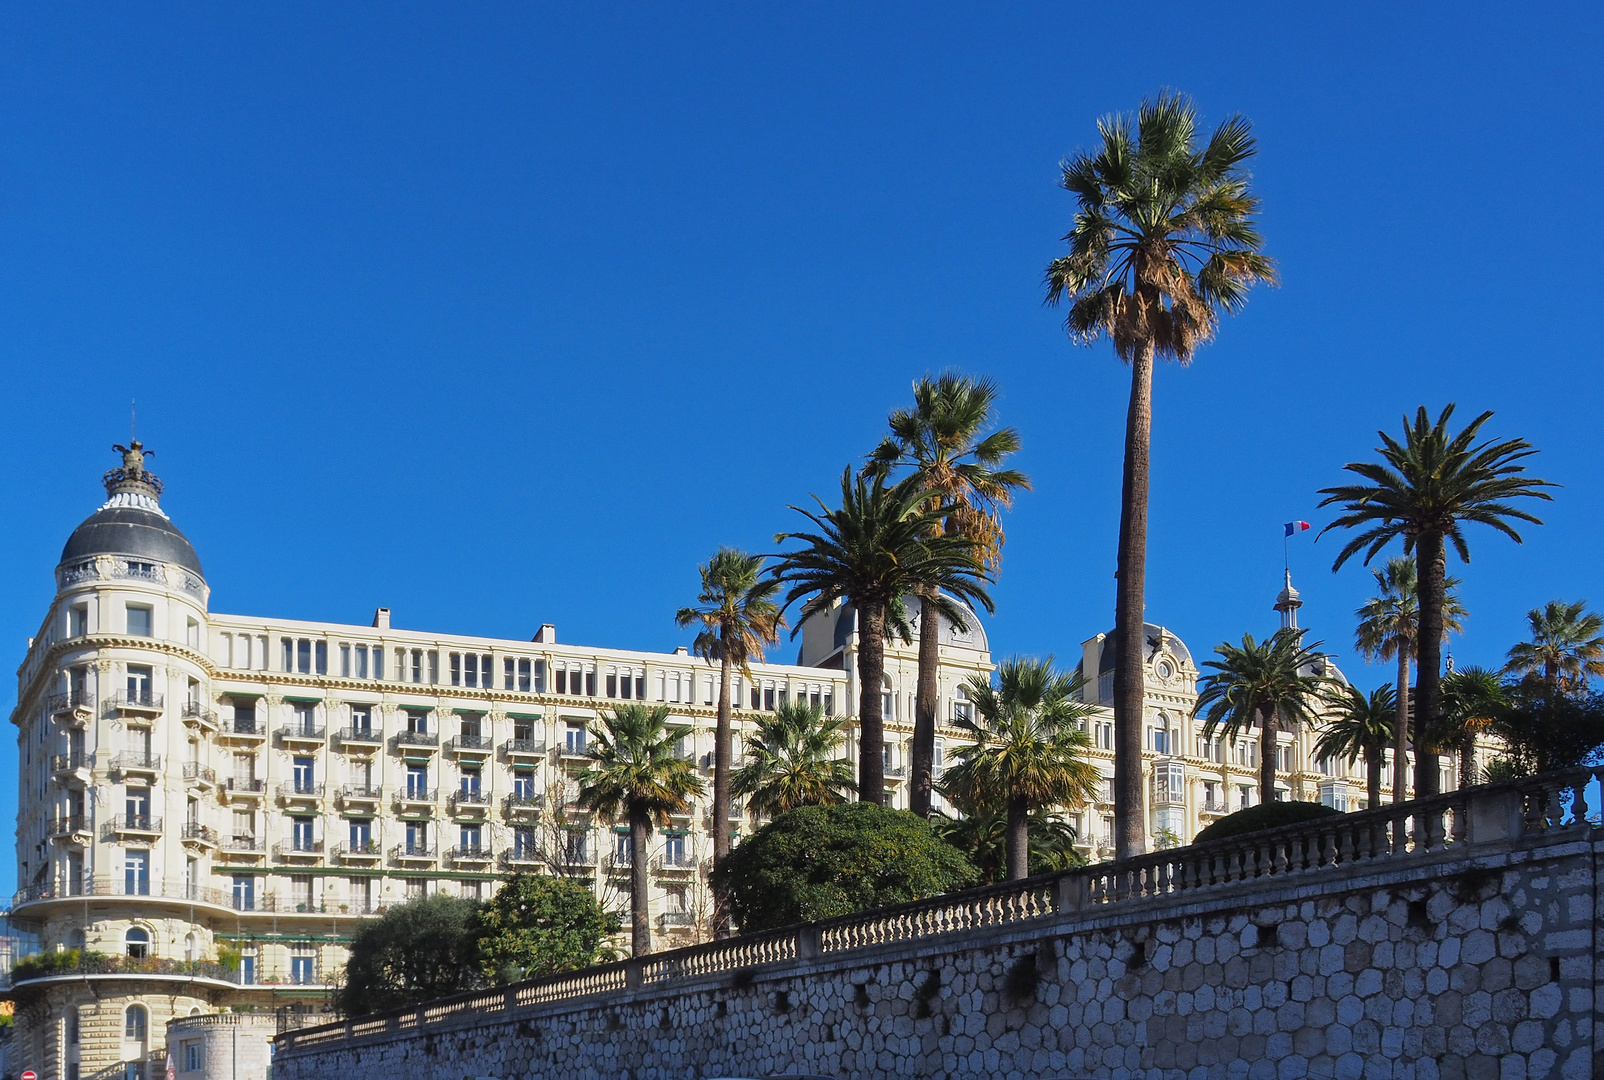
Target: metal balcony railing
x,y
131,823
70,702
139,700
413,851
520,857
67,826
294,846
137,759
199,712
472,744
411,794
244,785
670,860
248,726
676,919
242,843
428,740
194,770
470,853
366,735
468,801
205,834
300,791
515,803
70,762
358,849
363,792
302,733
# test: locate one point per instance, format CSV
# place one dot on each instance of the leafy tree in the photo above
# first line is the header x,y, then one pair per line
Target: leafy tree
x,y
793,761
1424,490
537,926
884,543
822,861
1264,816
946,444
1389,624
1473,700
738,618
1028,749
982,835
1163,240
1275,683
1566,649
422,949
636,775
1362,728
1543,731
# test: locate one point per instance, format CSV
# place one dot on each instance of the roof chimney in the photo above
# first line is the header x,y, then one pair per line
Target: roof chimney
x,y
381,618
546,635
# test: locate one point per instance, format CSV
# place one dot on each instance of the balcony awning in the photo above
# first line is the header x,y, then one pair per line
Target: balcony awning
x,y
304,700
525,716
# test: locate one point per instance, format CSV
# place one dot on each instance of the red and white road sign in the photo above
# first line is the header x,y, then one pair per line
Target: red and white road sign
x,y
28,1074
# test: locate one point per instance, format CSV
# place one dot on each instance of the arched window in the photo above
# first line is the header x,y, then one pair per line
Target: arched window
x,y
189,947
137,942
961,708
1159,735
135,1023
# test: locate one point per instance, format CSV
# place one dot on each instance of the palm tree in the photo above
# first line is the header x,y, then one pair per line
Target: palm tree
x,y
982,834
1163,240
1567,646
738,618
1362,729
944,442
882,544
1424,491
791,761
635,774
1277,683
1388,625
1029,749
1473,700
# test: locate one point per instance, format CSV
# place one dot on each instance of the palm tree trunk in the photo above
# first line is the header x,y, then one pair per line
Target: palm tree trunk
x,y
1130,819
1018,838
1467,762
1373,759
721,792
639,901
1400,738
924,717
871,681
1431,570
1267,756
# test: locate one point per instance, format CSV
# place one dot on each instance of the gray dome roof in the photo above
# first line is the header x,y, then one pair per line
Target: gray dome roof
x,y
132,531
1151,633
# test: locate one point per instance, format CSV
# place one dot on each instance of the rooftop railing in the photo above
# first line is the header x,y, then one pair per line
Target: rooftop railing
x,y
1554,804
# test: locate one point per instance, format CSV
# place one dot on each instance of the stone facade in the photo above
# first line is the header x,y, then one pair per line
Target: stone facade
x,y
222,1046
1474,957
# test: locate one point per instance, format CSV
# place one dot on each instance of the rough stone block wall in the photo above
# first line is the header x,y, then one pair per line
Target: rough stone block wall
x,y
1455,970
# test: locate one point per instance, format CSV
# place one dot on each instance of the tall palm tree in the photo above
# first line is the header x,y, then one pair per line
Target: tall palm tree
x,y
635,774
1361,729
882,544
738,618
1424,490
1473,701
1277,683
946,444
792,760
1029,749
1567,646
1388,626
982,834
1163,240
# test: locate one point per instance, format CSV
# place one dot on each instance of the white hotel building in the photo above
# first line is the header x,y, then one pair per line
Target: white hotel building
x,y
210,802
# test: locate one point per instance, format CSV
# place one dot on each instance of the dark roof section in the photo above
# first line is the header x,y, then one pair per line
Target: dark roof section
x,y
128,530
1150,632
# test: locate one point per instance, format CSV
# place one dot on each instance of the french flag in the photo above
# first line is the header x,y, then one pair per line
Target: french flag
x,y
1296,527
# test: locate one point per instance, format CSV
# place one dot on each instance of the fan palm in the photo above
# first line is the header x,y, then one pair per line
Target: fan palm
x,y
1424,491
982,835
791,761
1567,646
1473,700
738,618
945,444
1029,749
1388,626
1362,728
882,544
636,774
1163,240
1276,683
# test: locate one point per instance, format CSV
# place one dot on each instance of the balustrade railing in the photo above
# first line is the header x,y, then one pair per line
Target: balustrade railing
x,y
1552,803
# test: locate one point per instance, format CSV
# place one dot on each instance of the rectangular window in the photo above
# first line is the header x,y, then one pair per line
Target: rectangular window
x,y
562,680
574,738
757,698
192,1057
289,653
362,661
139,619
378,662
470,781
139,684
470,838
540,676
486,679
456,669
305,717
417,722
829,703
321,651
434,667
302,834
523,842
590,684
523,730
136,805
417,665
303,970
507,678
417,781
345,661
640,688
612,684
674,850
523,783
417,837
361,834
78,621
360,891
523,675
362,719
136,873
303,775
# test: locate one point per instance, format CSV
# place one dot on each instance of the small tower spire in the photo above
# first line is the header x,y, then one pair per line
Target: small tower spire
x,y
1287,603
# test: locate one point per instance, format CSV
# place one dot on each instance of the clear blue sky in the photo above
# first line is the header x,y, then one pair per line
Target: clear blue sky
x,y
501,317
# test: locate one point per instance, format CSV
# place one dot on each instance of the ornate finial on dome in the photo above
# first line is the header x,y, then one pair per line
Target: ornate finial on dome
x,y
133,476
1288,603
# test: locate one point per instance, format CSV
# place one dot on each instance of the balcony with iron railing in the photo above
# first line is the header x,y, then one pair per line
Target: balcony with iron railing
x,y
468,803
677,920
470,855
415,801
303,734
574,753
244,787
199,714
143,702
140,761
416,742
358,851
365,794
619,862
200,835
76,705
403,854
300,792
298,848
72,825
242,729
522,805
675,862
470,746
360,737
523,749
524,859
202,776
69,763
140,825
239,844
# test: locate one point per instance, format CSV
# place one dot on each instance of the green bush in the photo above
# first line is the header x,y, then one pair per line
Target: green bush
x,y
537,926
51,963
1264,816
423,949
822,861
